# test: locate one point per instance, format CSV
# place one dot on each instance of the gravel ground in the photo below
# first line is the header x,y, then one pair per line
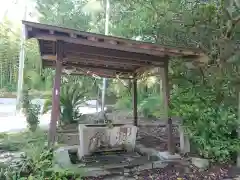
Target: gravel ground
x,y
176,172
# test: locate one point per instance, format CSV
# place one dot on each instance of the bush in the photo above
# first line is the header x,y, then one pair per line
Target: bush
x,y
71,98
22,141
32,117
31,111
148,105
36,164
211,126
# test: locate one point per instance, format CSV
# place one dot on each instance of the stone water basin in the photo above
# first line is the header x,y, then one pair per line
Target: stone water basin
x,y
102,137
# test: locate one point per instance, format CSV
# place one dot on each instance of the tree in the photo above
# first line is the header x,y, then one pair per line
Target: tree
x,y
64,13
8,56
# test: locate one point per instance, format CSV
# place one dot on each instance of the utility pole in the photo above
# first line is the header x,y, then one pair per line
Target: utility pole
x,y
21,62
106,33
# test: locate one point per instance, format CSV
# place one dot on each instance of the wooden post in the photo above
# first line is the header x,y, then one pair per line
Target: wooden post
x,y
56,94
166,100
134,93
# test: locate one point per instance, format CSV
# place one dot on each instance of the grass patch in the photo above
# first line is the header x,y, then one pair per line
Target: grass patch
x,y
22,140
37,163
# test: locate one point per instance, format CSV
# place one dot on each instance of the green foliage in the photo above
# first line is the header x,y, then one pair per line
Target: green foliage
x,y
71,97
33,116
31,111
38,168
8,56
23,140
149,100
210,123
64,13
151,106
9,60
37,162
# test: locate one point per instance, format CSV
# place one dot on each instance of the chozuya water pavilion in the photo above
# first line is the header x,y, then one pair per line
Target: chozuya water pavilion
x,y
105,56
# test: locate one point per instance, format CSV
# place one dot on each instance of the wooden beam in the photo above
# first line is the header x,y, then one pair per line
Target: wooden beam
x,y
55,114
111,59
92,73
99,72
84,57
90,66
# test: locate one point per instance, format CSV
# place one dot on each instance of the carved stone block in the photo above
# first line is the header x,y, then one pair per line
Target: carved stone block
x,y
100,137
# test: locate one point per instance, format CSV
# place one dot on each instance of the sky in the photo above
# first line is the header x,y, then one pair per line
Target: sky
x,y
14,10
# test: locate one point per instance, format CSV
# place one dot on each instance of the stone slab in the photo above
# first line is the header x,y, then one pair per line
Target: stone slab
x,y
95,172
150,152
120,178
61,157
238,160
155,155
145,166
159,164
184,141
201,163
166,156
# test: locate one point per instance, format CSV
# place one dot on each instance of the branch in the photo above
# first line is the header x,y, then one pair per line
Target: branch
x,y
201,46
228,13
203,75
236,20
154,6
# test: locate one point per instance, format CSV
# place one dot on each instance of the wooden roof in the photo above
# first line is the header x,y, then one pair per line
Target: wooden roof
x,y
102,55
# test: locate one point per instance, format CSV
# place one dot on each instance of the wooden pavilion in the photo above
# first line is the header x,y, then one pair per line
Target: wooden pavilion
x,y
105,56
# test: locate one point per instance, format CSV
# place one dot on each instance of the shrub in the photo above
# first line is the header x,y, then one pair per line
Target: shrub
x,y
31,111
71,97
210,125
38,165
19,141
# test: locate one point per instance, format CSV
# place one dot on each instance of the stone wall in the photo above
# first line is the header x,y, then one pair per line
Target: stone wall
x,y
68,137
